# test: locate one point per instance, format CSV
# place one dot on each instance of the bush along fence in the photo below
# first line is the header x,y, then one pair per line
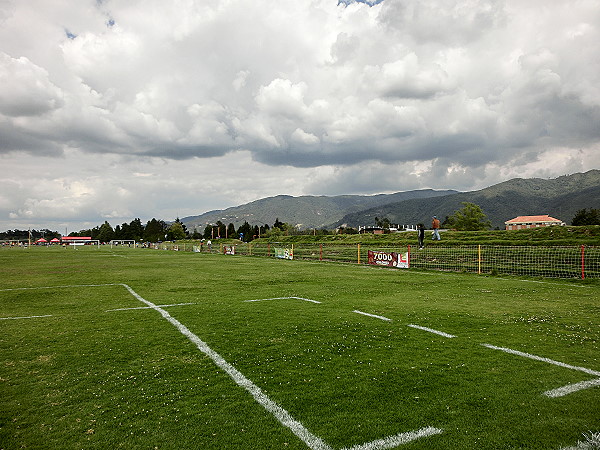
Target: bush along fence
x,y
556,262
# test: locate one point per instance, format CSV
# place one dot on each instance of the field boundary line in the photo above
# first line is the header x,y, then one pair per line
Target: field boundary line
x,y
60,286
396,440
313,441
570,388
544,282
431,330
282,298
148,307
24,317
284,417
372,315
542,359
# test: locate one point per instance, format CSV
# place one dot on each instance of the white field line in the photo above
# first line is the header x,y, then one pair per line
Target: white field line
x,y
284,417
546,360
398,439
60,287
282,298
431,330
148,307
27,317
570,388
372,315
544,282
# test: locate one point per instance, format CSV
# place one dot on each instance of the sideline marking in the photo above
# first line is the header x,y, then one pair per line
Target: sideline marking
x,y
561,391
148,307
395,441
372,315
27,317
282,298
570,388
546,282
540,358
284,417
431,330
61,287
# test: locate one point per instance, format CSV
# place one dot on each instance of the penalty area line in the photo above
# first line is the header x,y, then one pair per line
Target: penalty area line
x,y
431,330
570,388
313,441
66,286
149,307
372,315
26,317
282,298
284,417
542,359
396,440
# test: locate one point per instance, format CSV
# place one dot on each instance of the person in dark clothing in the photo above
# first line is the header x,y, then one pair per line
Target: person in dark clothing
x,y
421,235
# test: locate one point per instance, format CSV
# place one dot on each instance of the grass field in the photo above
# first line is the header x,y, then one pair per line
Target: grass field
x,y
144,349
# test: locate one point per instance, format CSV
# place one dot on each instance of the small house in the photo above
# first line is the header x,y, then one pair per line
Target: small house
x,y
524,222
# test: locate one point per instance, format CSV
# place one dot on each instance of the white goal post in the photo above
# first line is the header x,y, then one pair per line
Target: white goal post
x,y
128,242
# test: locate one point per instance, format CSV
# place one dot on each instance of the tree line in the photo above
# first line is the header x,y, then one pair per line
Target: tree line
x,y
469,218
156,230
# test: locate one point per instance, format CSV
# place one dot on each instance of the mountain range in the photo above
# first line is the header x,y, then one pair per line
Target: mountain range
x,y
560,197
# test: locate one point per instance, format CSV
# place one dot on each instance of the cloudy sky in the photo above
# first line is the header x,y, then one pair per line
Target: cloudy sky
x,y
118,109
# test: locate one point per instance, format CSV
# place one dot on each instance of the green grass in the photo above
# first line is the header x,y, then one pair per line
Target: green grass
x,y
86,377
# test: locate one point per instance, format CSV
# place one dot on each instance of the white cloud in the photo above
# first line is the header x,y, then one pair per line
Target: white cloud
x,y
25,89
341,98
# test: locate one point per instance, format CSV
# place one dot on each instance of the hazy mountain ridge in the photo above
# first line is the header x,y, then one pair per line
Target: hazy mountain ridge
x,y
303,211
560,197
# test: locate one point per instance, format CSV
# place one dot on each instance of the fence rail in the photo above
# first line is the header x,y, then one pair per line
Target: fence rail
x,y
554,262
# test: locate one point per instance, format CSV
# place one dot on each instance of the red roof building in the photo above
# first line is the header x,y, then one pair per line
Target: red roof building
x,y
523,222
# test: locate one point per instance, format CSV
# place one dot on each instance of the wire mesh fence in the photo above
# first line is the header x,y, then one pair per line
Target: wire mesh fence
x,y
550,261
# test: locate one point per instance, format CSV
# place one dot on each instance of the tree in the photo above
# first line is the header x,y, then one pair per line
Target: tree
x,y
383,223
136,229
176,231
246,230
220,230
196,234
231,231
105,232
155,230
585,217
207,232
469,218
185,230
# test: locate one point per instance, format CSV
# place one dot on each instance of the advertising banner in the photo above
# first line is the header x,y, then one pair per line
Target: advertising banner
x,y
283,253
389,259
229,249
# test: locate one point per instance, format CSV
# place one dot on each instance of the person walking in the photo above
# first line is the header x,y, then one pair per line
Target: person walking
x,y
435,224
421,235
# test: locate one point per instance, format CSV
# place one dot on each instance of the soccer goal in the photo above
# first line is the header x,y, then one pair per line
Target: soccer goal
x,y
127,242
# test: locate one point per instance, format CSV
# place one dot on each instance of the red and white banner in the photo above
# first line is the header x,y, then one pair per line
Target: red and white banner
x,y
390,259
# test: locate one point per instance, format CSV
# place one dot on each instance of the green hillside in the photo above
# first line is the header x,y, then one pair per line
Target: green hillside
x,y
303,211
560,198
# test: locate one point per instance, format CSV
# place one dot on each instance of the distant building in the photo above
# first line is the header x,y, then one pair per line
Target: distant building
x,y
374,230
523,222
